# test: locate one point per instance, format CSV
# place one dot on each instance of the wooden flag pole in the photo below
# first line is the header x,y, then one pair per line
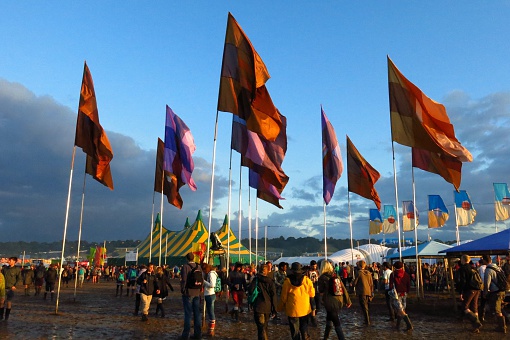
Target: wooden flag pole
x,y
79,232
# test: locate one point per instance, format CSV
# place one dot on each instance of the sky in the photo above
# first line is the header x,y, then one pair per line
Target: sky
x,y
144,56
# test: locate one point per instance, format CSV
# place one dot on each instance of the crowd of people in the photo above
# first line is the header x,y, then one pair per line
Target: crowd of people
x,y
291,294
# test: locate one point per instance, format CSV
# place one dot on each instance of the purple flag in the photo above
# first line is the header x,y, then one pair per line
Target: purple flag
x,y
332,166
265,190
179,146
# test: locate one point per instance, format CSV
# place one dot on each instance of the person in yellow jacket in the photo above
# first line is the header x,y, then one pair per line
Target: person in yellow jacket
x,y
295,301
2,295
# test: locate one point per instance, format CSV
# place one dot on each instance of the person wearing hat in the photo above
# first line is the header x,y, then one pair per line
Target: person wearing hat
x,y
295,301
313,274
364,285
400,285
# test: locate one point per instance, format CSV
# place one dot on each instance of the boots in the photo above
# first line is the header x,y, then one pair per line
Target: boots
x,y
399,320
212,326
145,317
158,306
236,315
2,313
327,330
162,310
500,319
339,332
314,320
7,312
408,323
51,296
45,294
473,318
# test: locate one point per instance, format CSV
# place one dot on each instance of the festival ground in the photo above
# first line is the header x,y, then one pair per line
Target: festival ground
x,y
98,314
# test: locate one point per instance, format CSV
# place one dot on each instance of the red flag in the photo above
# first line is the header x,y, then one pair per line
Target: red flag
x,y
242,84
167,181
361,176
90,135
438,163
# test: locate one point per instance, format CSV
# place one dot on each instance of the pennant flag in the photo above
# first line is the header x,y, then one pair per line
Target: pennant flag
x,y
465,211
361,176
242,84
389,224
265,190
261,155
375,224
179,147
442,164
502,201
90,136
166,181
438,213
332,166
420,122
408,216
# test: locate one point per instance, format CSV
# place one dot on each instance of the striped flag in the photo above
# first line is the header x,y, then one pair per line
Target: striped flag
x,y
390,219
375,224
438,213
502,201
408,217
465,211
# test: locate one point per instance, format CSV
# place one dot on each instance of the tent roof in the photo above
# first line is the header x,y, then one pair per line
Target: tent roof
x,y
228,239
498,243
428,249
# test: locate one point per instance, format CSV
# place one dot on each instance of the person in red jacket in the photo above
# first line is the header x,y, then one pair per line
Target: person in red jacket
x,y
400,285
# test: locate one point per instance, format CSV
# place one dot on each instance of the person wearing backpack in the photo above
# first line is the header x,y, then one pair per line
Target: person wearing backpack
x,y
493,292
211,278
469,291
191,288
237,283
263,291
332,299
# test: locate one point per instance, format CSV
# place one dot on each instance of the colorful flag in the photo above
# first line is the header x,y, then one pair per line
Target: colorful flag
x,y
179,148
465,211
420,122
332,166
242,84
442,164
265,190
502,201
408,216
438,213
390,216
166,181
375,224
361,176
90,136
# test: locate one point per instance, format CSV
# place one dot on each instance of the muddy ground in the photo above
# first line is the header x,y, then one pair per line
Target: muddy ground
x,y
97,314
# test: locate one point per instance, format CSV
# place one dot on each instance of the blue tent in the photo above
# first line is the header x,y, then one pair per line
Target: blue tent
x,y
498,243
429,249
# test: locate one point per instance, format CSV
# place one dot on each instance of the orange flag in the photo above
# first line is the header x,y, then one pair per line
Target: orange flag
x,y
439,163
361,176
90,135
170,184
242,84
420,122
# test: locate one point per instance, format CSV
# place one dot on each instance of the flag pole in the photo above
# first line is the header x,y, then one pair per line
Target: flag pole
x,y
396,199
161,211
65,228
350,226
457,234
257,231
249,221
212,183
152,223
229,209
415,211
265,243
239,218
325,233
79,232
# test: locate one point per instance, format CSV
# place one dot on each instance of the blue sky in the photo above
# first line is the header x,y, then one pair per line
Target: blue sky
x,y
145,56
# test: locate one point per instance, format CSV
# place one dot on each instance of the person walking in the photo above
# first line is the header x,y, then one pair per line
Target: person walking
x,y
400,285
148,287
295,301
334,297
2,296
313,274
210,296
51,279
492,292
265,303
364,286
468,292
237,285
191,288
164,283
28,278
12,276
386,281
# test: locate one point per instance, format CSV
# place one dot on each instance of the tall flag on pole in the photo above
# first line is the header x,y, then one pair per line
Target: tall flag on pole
x,y
502,201
442,164
179,148
242,84
361,176
265,191
332,166
389,224
90,136
420,122
375,224
167,181
438,213
408,216
465,211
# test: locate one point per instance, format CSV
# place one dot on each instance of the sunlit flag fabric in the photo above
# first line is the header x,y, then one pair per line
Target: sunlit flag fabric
x,y
265,190
361,176
389,224
375,223
332,166
90,136
502,201
465,211
438,213
242,84
408,216
179,148
418,121
166,181
442,164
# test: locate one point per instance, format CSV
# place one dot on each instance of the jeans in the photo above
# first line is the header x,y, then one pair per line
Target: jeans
x,y
209,306
145,303
191,306
261,321
299,328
